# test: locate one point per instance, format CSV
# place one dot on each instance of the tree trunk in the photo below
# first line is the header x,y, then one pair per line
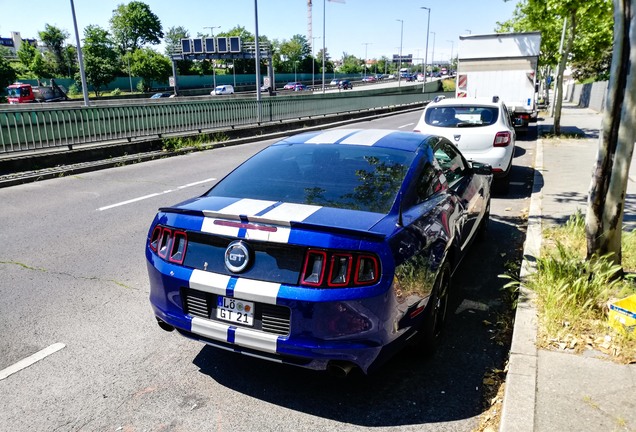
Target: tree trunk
x,y
606,199
558,102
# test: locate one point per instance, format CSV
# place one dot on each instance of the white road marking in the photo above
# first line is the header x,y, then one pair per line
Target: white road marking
x,y
406,125
130,201
34,358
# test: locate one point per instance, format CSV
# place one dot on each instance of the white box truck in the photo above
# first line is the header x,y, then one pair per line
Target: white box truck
x,y
504,65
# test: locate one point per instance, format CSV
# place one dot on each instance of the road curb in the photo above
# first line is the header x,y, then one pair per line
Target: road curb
x,y
518,411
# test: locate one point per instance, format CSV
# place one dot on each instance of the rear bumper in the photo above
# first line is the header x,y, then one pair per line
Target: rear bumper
x,y
345,330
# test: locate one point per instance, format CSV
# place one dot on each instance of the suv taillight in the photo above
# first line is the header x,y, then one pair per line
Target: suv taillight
x,y
330,269
502,139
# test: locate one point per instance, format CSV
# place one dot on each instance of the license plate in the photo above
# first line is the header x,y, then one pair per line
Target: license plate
x,y
235,310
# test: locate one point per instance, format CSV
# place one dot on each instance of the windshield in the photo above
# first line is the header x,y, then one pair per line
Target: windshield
x,y
342,176
461,116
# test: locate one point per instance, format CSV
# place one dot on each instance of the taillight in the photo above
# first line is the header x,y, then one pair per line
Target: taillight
x,y
164,242
169,245
314,270
338,269
177,251
367,267
502,139
154,239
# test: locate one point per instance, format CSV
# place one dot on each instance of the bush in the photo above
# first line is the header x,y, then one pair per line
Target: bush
x,y
115,92
448,85
73,90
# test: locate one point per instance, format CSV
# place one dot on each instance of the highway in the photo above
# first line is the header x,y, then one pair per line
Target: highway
x,y
75,282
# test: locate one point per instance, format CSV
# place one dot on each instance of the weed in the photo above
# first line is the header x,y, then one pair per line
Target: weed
x,y
573,293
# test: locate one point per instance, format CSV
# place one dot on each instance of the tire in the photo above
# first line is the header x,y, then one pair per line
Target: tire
x,y
435,313
483,225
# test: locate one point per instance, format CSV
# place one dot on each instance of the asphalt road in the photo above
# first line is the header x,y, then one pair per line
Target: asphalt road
x,y
74,273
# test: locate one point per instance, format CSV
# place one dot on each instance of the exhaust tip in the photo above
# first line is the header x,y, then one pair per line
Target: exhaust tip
x,y
340,369
164,325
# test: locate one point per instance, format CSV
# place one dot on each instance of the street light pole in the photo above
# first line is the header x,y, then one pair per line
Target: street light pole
x,y
433,51
428,23
400,62
80,58
366,46
258,64
313,62
129,77
450,63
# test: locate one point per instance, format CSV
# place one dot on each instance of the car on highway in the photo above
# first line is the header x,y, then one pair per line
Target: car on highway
x,y
161,95
300,87
480,128
369,78
345,84
328,250
291,85
334,82
223,90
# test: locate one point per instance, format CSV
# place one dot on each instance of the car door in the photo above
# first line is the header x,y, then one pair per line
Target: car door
x,y
468,188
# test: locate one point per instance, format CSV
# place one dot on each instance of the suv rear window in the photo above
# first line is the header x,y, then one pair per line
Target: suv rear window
x,y
461,116
343,176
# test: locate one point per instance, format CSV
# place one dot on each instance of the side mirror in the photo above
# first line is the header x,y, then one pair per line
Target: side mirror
x,y
481,168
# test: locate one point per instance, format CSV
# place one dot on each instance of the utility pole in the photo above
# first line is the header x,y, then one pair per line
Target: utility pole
x,y
366,45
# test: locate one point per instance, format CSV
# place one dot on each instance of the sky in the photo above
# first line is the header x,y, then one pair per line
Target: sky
x,y
363,28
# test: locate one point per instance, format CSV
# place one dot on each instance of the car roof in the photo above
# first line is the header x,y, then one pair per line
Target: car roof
x,y
482,101
386,138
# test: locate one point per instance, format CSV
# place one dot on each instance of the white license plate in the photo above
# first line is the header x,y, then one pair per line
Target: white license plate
x,y
235,310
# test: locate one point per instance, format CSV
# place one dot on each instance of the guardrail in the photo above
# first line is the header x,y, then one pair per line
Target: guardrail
x,y
52,126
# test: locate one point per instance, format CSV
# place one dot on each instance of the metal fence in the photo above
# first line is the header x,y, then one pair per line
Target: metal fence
x,y
25,129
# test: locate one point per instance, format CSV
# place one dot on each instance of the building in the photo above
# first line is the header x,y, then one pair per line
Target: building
x,y
14,42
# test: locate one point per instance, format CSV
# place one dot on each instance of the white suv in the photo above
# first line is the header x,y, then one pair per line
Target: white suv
x,y
480,128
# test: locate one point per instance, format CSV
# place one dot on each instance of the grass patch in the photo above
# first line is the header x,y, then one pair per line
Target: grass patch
x,y
196,142
573,293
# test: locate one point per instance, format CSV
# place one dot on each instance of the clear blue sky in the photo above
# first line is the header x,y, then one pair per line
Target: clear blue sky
x,y
349,25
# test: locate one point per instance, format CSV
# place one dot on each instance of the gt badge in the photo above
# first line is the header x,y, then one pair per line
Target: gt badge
x,y
457,137
237,256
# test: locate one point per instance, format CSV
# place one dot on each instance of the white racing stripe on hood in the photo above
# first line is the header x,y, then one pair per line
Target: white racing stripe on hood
x,y
366,137
330,137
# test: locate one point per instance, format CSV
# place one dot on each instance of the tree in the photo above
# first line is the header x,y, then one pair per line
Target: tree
x,y
53,38
133,25
586,38
26,54
7,73
293,52
100,58
173,44
151,67
350,64
606,199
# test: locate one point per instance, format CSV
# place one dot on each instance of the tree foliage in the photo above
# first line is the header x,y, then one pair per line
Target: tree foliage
x,y
151,67
100,58
7,73
26,54
53,38
134,25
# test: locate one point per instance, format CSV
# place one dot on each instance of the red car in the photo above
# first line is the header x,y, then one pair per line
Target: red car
x,y
291,85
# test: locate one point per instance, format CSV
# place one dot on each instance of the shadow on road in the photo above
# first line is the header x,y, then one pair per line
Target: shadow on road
x,y
409,390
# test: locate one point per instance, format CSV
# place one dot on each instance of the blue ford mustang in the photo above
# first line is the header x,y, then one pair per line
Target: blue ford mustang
x,y
327,250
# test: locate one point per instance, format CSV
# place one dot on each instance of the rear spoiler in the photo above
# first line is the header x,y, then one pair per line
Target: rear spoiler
x,y
368,235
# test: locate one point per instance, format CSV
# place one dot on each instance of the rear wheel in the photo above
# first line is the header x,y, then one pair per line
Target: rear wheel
x,y
436,311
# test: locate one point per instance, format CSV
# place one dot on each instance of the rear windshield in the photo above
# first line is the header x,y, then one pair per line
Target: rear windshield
x,y
461,116
352,177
